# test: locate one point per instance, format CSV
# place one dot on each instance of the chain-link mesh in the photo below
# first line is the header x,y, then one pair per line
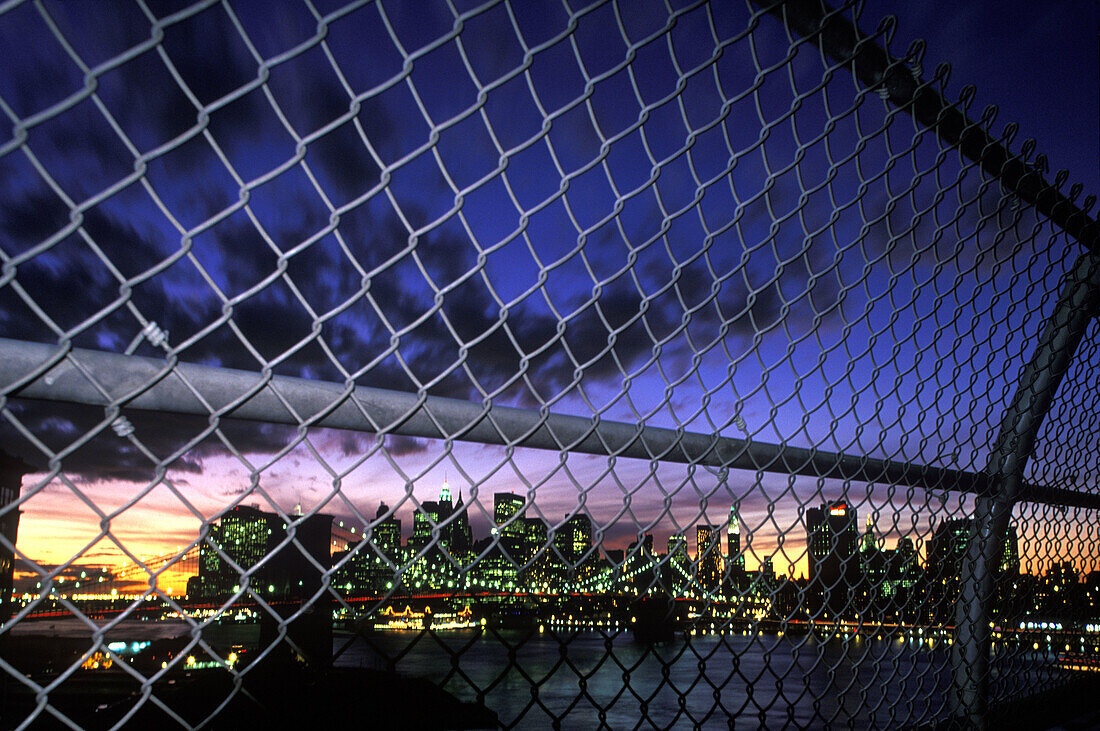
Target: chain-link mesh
x,y
525,364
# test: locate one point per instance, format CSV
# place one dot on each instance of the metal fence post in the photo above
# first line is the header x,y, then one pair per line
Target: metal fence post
x,y
1063,332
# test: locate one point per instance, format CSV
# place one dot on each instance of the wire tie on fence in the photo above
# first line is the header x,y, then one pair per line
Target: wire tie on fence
x,y
916,70
150,332
740,423
122,426
154,334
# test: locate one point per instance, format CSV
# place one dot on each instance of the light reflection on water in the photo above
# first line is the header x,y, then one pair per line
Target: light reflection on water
x,y
706,681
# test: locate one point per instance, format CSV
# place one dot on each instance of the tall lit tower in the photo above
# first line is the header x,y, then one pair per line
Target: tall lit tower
x,y
428,515
734,558
873,566
869,542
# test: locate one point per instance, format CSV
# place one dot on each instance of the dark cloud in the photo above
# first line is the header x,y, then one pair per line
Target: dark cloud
x,y
70,282
37,74
146,95
82,152
205,56
344,160
399,446
355,444
206,52
320,271
106,455
351,444
405,314
209,55
34,218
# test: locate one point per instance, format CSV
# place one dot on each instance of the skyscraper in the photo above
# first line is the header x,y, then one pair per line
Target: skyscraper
x,y
430,514
461,538
248,535
708,556
573,537
387,532
678,548
947,560
734,558
535,536
869,542
873,562
834,570
511,537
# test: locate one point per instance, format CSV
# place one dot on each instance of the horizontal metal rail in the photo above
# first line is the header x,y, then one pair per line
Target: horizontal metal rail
x,y
842,41
102,378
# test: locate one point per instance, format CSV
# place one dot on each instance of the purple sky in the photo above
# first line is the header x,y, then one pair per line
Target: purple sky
x,y
860,344
1037,62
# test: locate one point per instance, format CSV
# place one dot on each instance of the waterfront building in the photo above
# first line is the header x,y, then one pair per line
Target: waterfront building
x,y
573,537
567,564
367,567
245,535
450,523
873,562
768,579
1058,593
708,556
428,515
386,532
496,571
510,536
947,561
536,534
834,568
360,571
899,591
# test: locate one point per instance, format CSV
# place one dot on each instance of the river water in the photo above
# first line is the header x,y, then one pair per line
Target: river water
x,y
588,680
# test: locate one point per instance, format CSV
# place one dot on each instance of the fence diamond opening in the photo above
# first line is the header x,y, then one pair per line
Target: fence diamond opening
x,y
529,364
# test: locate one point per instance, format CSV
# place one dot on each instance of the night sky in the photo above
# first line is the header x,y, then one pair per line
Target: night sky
x,y
324,214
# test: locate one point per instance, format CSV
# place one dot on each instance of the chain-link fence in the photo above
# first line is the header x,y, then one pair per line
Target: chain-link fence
x,y
526,364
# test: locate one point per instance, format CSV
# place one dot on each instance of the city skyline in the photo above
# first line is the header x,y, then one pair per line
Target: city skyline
x,y
681,362
783,388
720,559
